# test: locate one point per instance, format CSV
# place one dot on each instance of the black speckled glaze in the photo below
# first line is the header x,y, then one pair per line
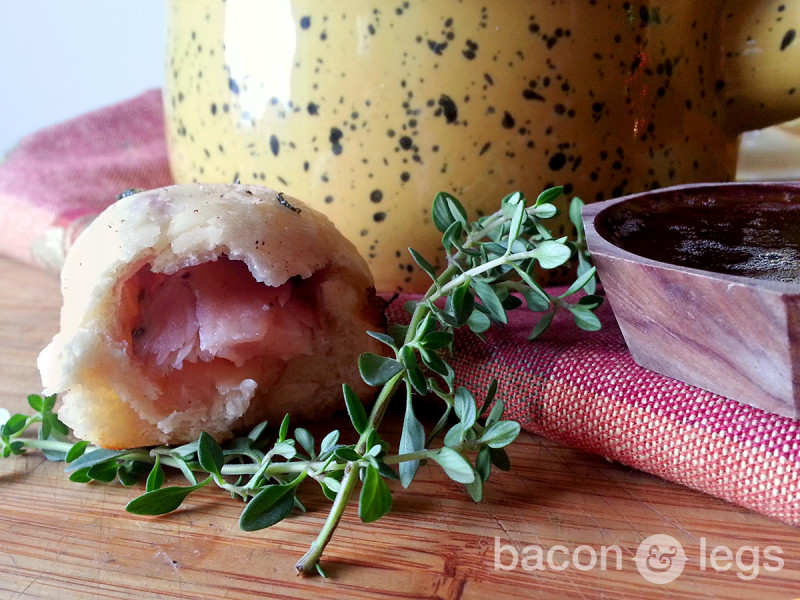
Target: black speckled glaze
x,y
365,109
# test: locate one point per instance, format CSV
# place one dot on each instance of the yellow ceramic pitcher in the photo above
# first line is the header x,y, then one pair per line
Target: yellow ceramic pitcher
x,y
366,108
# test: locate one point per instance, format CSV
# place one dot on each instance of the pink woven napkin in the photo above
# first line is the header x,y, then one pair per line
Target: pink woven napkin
x,y
581,389
585,391
55,181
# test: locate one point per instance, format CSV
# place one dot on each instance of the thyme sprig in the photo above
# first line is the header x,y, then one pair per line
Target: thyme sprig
x,y
491,268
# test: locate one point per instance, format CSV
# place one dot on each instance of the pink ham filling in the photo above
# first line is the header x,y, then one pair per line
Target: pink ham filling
x,y
216,310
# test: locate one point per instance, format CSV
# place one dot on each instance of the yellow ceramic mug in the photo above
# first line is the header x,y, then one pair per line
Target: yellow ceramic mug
x,y
367,108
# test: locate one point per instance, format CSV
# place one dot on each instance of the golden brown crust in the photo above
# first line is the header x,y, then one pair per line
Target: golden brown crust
x,y
113,398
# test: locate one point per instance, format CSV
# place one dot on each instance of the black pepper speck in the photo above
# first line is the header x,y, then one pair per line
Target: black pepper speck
x,y
449,108
788,38
437,47
557,161
471,50
529,94
335,138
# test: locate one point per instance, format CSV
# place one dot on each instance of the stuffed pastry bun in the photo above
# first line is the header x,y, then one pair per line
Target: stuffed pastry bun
x,y
207,308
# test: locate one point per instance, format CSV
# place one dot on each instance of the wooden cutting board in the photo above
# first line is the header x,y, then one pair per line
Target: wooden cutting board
x,y
62,540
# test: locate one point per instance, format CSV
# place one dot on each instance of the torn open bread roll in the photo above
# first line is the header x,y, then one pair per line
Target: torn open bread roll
x,y
209,308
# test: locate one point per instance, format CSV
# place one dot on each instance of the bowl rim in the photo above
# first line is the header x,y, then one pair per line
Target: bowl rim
x,y
595,242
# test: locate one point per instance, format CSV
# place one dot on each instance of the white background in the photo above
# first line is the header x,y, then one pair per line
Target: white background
x,y
62,58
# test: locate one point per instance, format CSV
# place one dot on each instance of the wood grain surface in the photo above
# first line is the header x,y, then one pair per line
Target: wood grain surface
x,y
62,540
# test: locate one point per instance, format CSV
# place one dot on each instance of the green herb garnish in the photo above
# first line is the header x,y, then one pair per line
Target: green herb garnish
x,y
491,269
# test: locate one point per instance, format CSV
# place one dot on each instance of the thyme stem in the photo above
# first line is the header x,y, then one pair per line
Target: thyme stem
x,y
308,563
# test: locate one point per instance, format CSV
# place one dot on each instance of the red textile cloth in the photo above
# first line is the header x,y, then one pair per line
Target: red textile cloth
x,y
583,390
56,180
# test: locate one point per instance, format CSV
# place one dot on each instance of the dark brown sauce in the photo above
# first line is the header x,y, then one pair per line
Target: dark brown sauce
x,y
739,236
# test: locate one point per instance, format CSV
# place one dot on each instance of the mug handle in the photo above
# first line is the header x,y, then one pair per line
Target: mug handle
x,y
760,63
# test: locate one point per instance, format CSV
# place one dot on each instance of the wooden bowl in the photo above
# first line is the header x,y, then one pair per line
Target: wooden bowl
x,y
704,281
